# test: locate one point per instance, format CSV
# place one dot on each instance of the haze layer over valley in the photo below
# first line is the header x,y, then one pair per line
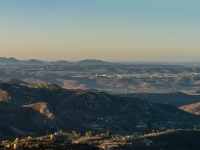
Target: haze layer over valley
x,y
112,77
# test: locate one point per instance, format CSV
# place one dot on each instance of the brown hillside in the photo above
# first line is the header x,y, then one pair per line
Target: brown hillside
x,y
192,108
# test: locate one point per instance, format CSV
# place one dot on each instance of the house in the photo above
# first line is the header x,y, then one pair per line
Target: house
x,y
141,126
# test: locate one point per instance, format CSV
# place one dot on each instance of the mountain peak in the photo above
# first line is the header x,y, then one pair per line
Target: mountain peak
x,y
91,61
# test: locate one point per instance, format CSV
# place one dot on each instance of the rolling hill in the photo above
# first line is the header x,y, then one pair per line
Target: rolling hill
x,y
177,99
192,108
60,62
45,107
34,62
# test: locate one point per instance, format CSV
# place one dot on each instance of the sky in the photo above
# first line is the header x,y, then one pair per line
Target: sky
x,y
111,30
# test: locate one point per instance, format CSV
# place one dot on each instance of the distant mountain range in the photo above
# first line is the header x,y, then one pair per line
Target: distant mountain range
x,y
34,62
91,61
11,60
61,62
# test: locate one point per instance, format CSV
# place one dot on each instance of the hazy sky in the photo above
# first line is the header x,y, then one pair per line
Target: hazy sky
x,y
115,30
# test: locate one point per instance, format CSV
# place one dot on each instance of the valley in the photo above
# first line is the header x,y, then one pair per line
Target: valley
x,y
91,96
115,78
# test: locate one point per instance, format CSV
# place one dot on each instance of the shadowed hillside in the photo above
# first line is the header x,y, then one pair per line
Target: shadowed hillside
x,y
46,107
113,77
177,140
175,98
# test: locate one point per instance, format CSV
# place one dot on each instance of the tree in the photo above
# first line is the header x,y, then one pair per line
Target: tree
x,y
108,133
102,134
90,133
195,128
87,134
74,133
61,132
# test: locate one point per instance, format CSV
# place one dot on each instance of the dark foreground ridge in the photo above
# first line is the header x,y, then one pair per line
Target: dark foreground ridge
x,y
168,140
44,108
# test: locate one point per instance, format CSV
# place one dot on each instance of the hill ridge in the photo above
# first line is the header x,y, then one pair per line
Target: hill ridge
x,y
36,108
